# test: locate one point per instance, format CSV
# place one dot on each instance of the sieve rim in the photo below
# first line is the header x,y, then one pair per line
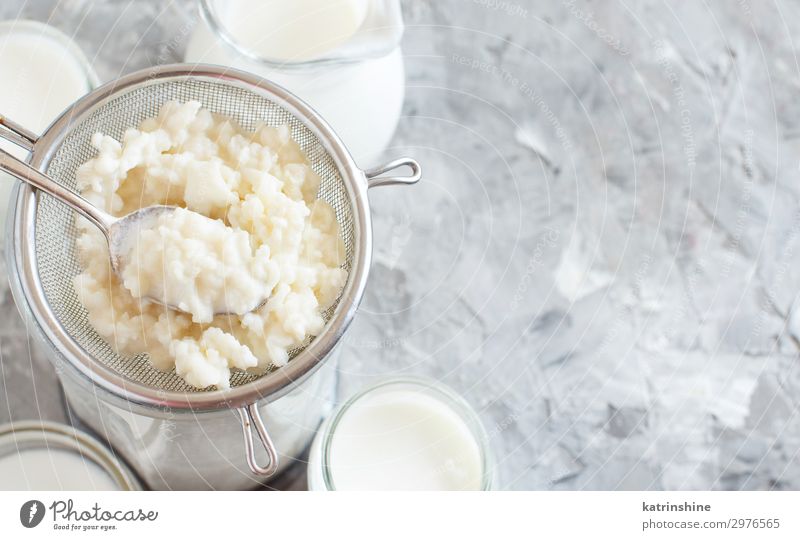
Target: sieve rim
x,y
270,386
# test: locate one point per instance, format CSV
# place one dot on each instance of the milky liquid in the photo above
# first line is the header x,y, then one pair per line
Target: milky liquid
x,y
296,30
404,440
40,469
40,78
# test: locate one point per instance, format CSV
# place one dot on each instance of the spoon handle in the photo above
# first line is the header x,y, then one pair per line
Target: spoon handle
x,y
26,173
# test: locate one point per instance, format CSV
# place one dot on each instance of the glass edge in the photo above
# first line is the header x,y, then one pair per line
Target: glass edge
x,y
72,439
461,406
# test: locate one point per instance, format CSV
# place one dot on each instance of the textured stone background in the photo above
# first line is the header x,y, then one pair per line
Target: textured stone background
x,y
603,256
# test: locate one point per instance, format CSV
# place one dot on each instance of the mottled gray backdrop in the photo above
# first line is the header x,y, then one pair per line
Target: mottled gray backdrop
x,y
603,255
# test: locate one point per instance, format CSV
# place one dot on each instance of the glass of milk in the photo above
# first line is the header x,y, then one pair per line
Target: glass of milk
x,y
43,72
340,56
402,434
54,457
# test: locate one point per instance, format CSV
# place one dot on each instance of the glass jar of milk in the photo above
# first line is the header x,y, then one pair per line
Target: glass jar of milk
x,y
405,433
341,56
43,72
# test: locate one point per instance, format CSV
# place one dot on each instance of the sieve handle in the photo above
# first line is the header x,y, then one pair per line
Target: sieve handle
x,y
250,416
11,131
26,173
375,178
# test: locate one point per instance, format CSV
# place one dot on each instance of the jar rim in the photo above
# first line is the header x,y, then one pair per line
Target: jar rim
x,y
435,389
52,435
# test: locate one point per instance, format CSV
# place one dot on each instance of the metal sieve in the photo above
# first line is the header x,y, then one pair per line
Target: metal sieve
x,y
44,232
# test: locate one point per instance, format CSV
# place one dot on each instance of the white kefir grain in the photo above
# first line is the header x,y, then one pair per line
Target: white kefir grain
x,y
199,265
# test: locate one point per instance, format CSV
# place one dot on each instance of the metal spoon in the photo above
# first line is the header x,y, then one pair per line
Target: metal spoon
x,y
119,232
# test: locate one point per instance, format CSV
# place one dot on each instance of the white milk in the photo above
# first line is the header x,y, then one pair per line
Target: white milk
x,y
362,100
400,438
42,74
40,469
297,30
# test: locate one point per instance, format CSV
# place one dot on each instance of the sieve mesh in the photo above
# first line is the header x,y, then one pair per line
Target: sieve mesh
x,y
56,232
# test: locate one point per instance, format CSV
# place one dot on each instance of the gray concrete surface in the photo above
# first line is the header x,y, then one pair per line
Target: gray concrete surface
x,y
603,256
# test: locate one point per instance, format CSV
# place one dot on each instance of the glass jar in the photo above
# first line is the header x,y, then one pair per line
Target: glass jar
x,y
321,471
42,456
358,86
43,72
177,450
